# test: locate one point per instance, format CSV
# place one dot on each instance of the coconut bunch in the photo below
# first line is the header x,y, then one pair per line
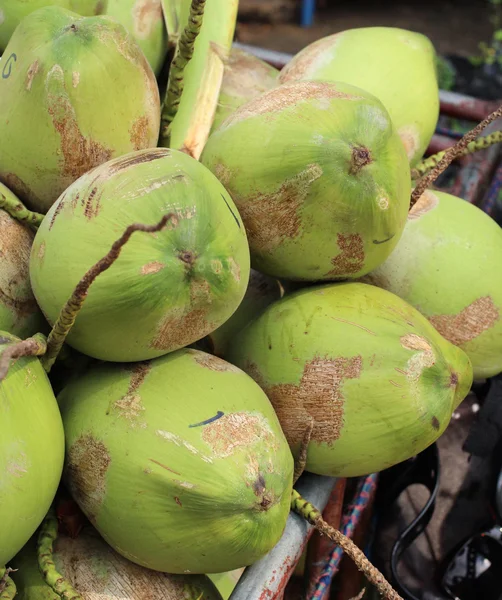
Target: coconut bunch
x,y
191,302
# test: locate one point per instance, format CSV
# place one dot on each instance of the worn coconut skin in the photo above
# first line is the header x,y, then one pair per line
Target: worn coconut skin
x,y
145,21
180,463
447,266
19,312
74,93
378,381
322,182
31,451
245,77
13,11
166,290
97,572
261,291
396,65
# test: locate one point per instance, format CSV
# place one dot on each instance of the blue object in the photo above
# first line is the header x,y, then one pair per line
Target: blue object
x,y
308,11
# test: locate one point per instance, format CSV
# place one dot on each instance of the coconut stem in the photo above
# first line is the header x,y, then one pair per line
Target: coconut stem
x,y
70,310
481,144
7,586
450,155
301,461
34,346
46,537
309,512
184,53
359,596
18,211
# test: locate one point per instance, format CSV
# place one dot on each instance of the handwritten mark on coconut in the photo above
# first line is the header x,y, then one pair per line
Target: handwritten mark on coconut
x,y
351,257
88,462
273,218
319,396
8,66
217,416
231,211
471,322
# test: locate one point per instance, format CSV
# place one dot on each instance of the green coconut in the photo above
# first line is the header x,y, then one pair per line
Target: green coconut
x,y
180,463
446,265
396,65
144,19
245,77
74,93
95,570
322,181
368,371
13,11
167,289
262,291
19,312
31,451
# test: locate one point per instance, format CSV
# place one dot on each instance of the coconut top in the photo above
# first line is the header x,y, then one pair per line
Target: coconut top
x,y
82,88
376,378
166,290
396,65
185,442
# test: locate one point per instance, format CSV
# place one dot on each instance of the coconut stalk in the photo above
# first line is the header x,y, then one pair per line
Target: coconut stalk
x,y
450,155
197,72
481,144
17,210
7,586
46,538
311,514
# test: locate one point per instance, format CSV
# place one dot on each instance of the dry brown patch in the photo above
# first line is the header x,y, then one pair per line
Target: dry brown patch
x,y
223,173
176,331
304,62
427,201
246,76
80,154
234,269
410,139
424,357
131,160
152,267
270,219
87,463
213,363
146,14
30,75
15,246
319,397
236,431
472,321
140,133
130,406
285,96
351,257
75,78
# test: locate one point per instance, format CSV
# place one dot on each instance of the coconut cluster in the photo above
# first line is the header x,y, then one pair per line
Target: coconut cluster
x,y
179,337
